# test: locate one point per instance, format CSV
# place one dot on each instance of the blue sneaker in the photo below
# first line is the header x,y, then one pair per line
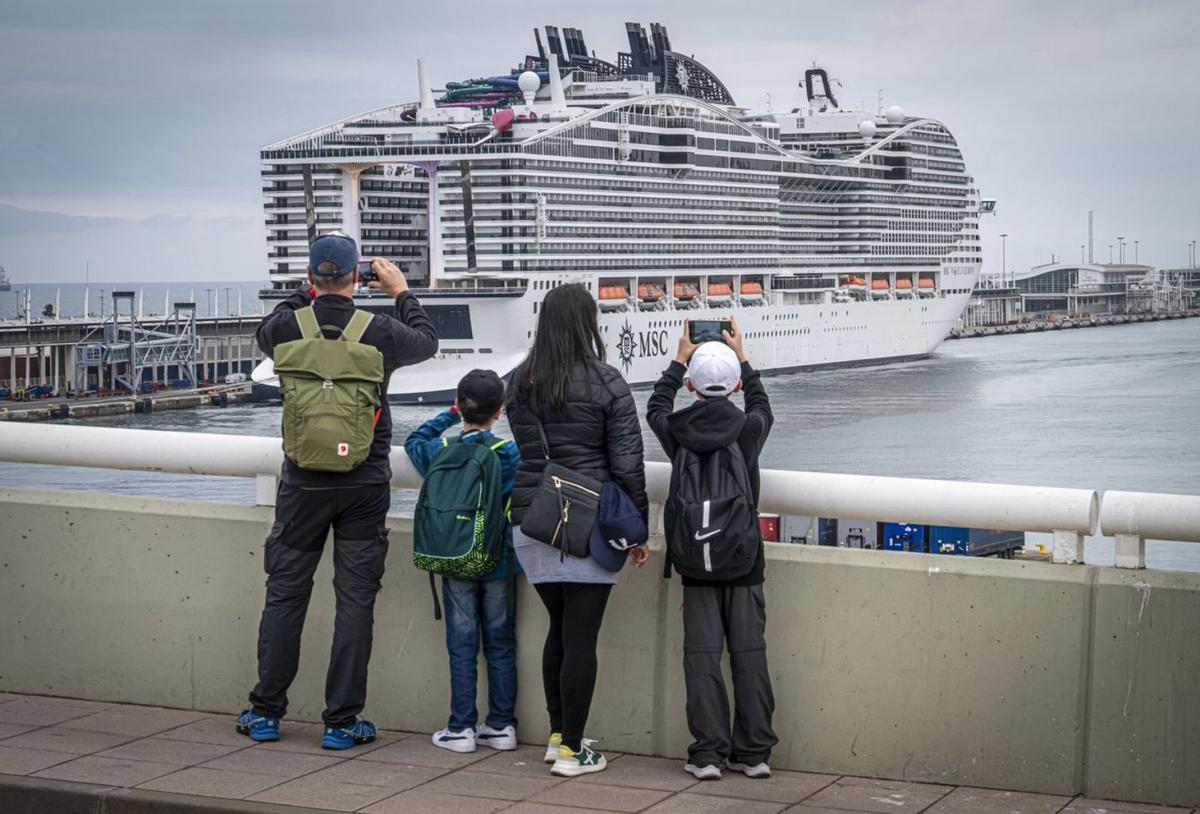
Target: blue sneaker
x,y
347,736
258,727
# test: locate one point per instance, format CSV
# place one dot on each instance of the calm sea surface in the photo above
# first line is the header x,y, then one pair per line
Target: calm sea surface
x,y
1099,408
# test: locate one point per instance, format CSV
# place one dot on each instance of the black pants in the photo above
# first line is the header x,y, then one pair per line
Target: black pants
x,y
293,549
712,616
569,657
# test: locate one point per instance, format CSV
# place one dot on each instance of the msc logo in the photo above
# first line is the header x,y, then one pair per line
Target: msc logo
x,y
631,345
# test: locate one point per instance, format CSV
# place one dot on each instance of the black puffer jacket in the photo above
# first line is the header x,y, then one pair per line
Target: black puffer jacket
x,y
600,436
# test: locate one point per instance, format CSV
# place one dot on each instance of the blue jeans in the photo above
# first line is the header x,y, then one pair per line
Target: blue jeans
x,y
473,606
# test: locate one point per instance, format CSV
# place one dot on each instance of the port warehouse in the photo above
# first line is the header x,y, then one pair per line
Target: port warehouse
x,y
1054,291
43,355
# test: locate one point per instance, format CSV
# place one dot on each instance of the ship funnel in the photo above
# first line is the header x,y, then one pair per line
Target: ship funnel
x,y
426,91
558,99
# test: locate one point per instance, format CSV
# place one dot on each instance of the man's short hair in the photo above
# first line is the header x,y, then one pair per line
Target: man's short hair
x,y
480,395
326,277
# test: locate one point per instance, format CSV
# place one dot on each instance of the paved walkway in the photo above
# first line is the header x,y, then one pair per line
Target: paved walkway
x,y
59,754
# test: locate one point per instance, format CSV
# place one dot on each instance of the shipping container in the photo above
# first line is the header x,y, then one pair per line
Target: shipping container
x,y
808,530
903,537
857,533
768,525
974,542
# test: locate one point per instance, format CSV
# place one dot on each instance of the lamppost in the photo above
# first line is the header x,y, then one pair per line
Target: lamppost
x,y
1003,257
1110,259
212,310
1082,256
227,308
1121,252
1135,250
1192,255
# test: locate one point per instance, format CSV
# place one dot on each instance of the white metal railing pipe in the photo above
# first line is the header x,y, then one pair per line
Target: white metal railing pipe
x,y
186,453
951,503
1151,515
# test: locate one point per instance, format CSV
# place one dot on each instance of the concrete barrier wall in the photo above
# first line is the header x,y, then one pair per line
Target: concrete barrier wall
x,y
1055,679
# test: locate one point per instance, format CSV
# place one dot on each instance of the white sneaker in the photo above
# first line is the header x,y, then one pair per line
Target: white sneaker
x,y
503,739
462,741
552,745
757,771
709,772
573,764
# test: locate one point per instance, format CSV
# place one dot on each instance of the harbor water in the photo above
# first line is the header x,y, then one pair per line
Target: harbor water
x,y
1101,408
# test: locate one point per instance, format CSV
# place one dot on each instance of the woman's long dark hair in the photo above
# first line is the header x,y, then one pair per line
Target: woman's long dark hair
x,y
567,333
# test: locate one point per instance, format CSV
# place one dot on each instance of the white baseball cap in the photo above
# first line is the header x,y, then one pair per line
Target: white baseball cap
x,y
714,369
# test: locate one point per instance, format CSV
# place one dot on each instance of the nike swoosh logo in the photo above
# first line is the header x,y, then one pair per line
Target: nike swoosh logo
x,y
700,536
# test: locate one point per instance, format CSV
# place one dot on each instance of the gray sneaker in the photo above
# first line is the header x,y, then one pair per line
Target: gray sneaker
x,y
757,771
709,772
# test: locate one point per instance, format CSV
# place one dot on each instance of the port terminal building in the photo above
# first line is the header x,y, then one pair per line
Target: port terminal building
x,y
1054,290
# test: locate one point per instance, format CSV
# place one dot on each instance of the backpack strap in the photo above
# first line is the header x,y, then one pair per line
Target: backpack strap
x,y
357,326
437,606
306,318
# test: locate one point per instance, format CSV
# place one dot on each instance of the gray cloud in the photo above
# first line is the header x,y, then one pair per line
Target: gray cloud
x,y
133,108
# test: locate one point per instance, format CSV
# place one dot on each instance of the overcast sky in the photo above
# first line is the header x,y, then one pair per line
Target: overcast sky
x,y
129,131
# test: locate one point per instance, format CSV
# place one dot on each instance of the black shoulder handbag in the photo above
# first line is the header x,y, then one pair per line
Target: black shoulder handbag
x,y
563,510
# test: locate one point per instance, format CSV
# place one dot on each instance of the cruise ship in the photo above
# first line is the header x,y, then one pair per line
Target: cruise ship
x,y
834,236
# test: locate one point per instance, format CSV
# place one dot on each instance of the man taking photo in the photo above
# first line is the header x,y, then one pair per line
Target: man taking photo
x,y
334,362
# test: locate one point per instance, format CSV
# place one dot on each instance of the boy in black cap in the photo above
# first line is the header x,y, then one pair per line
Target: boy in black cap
x,y
477,604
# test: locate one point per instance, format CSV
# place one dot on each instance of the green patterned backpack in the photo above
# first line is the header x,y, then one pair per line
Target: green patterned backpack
x,y
458,525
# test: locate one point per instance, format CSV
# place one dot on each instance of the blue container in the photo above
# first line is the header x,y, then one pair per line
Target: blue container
x,y
974,542
903,537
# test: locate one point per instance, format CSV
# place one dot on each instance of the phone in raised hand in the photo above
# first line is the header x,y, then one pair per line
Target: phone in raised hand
x,y
708,330
366,273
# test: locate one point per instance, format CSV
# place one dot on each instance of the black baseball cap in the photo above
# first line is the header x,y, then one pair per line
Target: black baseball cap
x,y
483,387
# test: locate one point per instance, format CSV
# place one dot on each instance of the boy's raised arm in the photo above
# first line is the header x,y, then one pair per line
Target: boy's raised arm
x,y
420,443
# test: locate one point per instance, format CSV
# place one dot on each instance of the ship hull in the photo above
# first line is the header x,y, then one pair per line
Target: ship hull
x,y
779,338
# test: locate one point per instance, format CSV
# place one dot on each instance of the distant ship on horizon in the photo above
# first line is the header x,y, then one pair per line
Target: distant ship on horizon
x,y
836,236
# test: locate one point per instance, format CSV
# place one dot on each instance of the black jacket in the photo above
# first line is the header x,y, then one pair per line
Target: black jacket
x,y
599,436
405,339
709,424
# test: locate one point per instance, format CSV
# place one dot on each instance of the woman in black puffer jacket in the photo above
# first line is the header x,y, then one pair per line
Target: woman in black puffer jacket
x,y
592,427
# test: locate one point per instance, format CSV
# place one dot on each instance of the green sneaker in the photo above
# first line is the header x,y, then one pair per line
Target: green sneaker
x,y
573,764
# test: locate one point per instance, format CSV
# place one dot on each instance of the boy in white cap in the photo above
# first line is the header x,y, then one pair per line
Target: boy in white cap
x,y
714,542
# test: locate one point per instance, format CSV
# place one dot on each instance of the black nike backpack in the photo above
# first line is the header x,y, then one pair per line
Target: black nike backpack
x,y
710,517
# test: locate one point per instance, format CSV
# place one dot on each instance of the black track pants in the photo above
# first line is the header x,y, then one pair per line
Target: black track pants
x,y
712,616
303,518
569,657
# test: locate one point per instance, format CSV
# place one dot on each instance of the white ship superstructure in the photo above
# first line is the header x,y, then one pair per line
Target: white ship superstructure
x,y
835,237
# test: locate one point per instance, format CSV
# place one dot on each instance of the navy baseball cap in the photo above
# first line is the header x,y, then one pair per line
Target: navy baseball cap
x,y
336,248
619,527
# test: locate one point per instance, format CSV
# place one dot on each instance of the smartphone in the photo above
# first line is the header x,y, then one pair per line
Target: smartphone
x,y
708,330
365,273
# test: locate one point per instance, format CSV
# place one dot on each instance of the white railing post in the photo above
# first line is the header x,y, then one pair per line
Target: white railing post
x,y
1068,548
265,487
1129,551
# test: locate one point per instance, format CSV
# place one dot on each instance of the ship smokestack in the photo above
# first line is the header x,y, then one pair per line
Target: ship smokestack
x,y
558,99
426,90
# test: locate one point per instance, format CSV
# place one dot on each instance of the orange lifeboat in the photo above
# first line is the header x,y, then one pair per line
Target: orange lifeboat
x,y
686,292
720,293
649,292
880,284
752,293
613,297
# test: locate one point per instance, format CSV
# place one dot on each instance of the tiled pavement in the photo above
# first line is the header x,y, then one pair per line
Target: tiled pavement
x,y
153,757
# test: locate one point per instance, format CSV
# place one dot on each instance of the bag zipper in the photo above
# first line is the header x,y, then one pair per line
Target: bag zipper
x,y
559,482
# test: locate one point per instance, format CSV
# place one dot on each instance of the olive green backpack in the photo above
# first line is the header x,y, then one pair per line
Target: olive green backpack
x,y
330,390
